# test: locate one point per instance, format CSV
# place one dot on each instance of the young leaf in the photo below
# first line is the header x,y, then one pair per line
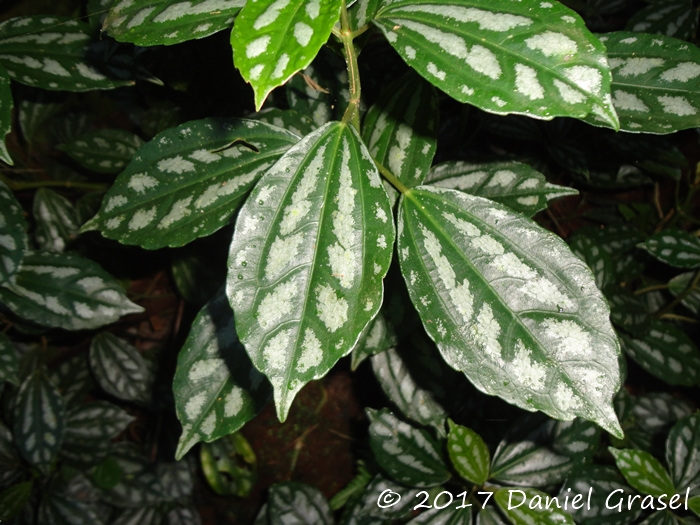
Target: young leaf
x,y
643,471
39,420
9,366
104,150
676,18
408,454
52,52
167,22
217,389
312,244
683,453
509,305
679,284
504,57
56,220
66,291
400,129
13,499
97,420
294,502
5,114
656,82
272,41
514,184
666,352
528,506
469,454
13,237
120,369
188,181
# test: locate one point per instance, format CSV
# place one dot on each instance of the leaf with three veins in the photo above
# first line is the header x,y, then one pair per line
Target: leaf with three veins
x,y
655,82
167,22
509,305
188,181
469,454
517,185
56,220
674,247
643,471
502,56
530,512
13,236
676,18
683,454
273,40
104,150
217,389
311,247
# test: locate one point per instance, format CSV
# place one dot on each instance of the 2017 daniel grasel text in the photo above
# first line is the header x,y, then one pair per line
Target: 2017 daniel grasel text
x,y
615,500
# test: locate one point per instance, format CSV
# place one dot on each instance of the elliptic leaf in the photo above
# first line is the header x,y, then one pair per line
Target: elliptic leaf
x,y
97,420
120,369
188,181
56,220
272,41
39,420
9,365
683,454
54,53
657,412
217,389
400,129
522,508
408,454
5,114
297,503
311,246
73,379
502,56
643,471
13,499
104,150
679,284
676,18
469,454
674,247
656,82
13,237
509,305
167,22
66,291
289,119
514,184
666,352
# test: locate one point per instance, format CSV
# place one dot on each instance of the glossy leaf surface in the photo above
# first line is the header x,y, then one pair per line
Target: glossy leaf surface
x,y
469,454
674,247
312,244
643,471
56,220
509,305
13,237
104,150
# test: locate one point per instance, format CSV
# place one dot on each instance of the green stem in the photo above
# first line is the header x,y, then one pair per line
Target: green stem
x,y
651,289
391,178
352,113
19,186
682,318
680,296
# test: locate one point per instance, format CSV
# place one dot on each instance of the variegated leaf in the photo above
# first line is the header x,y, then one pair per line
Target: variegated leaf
x,y
528,506
656,82
694,505
272,41
674,247
140,484
9,365
11,466
319,91
54,53
664,517
469,454
292,502
39,420
385,499
597,259
408,454
120,369
188,515
289,119
489,516
64,290
104,150
97,420
362,12
33,116
502,56
676,18
400,129
665,352
188,181
217,389
627,310
167,22
312,244
683,454
139,516
509,305
57,508
514,184
679,284
73,379
196,276
56,220
5,114
13,236
643,471
379,335
655,413
14,498
447,510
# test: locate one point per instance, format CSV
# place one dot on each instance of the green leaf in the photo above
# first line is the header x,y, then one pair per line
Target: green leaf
x,y
217,389
408,454
107,474
401,128
59,509
289,119
502,56
97,420
66,291
139,487
312,244
656,412
676,18
665,352
694,505
627,310
167,22
661,517
683,453
489,516
73,379
229,465
54,53
5,114
679,284
379,335
643,471
292,502
514,184
355,487
13,499
56,220
447,510
10,463
469,454
272,41
597,259
509,305
656,82
197,275
104,150
385,499
142,516
533,508
188,181
120,369
39,420
362,12
9,365
13,236
188,515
